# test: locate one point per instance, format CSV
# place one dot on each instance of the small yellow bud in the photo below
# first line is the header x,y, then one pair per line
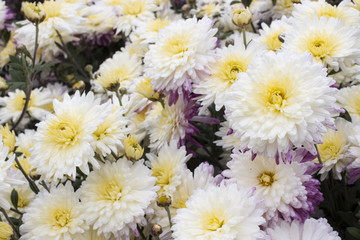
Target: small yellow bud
x,y
133,150
8,137
156,229
164,200
80,85
6,231
3,85
241,16
33,12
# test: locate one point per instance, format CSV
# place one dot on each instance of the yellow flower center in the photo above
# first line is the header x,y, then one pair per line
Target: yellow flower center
x,y
19,101
163,173
209,9
112,191
52,9
8,138
177,45
213,221
230,66
276,98
266,179
114,2
272,41
320,45
134,7
328,11
64,131
331,148
156,24
145,88
62,218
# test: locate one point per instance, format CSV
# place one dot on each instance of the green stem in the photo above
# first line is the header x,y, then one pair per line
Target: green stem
x,y
16,211
10,222
36,44
244,36
31,182
118,96
169,215
45,186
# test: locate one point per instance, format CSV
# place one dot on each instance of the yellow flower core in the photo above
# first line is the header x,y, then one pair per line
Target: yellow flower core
x,y
24,162
320,44
212,221
64,131
8,137
156,24
266,179
114,2
209,9
134,7
6,231
328,11
62,217
331,148
117,76
230,66
112,191
177,45
164,173
272,40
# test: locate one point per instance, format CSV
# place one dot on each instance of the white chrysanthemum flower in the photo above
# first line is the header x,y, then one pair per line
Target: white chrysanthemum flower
x,y
282,186
60,16
117,196
230,61
228,141
311,229
14,104
119,70
224,212
149,30
330,41
181,54
109,135
9,49
172,123
3,12
54,215
283,99
67,135
168,167
133,13
344,11
57,91
7,182
92,235
349,98
334,151
269,36
99,19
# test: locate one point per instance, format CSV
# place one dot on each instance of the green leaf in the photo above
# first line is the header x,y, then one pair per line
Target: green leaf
x,y
235,2
247,3
14,198
41,67
346,116
355,232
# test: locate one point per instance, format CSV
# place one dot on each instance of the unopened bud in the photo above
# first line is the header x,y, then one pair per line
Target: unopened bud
x,y
241,16
80,85
186,7
3,85
20,48
164,200
191,1
156,229
6,231
33,12
123,91
133,150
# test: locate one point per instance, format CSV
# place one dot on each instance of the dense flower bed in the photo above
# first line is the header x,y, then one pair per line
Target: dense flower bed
x,y
175,119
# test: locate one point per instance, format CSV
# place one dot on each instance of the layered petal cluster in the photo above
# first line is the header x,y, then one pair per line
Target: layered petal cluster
x,y
288,189
181,54
224,212
54,215
67,136
283,99
117,196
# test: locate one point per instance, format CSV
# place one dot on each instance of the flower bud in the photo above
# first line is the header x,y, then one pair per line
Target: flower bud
x,y
3,84
133,150
156,229
33,12
164,200
80,85
241,16
186,8
6,231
